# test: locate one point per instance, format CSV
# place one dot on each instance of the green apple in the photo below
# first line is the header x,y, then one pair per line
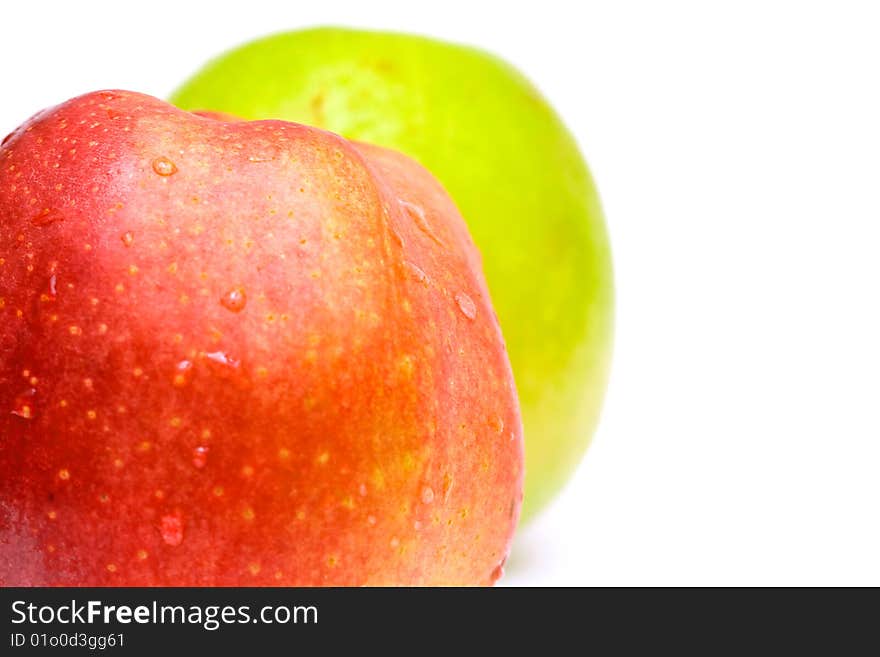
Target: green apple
x,y
512,167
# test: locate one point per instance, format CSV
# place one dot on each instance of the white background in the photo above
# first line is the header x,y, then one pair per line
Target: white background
x,y
737,149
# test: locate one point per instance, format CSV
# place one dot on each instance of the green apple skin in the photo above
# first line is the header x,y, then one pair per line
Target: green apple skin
x,y
515,173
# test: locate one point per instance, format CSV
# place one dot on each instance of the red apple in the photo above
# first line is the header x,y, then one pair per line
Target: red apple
x,y
242,353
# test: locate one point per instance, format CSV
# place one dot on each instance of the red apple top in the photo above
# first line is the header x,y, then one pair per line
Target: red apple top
x,y
242,353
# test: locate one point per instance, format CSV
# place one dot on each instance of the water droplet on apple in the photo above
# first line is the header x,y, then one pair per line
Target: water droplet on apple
x,y
234,300
222,358
395,235
200,456
53,287
466,305
498,572
182,372
46,216
497,424
171,529
164,167
427,495
23,406
416,272
128,238
414,211
421,221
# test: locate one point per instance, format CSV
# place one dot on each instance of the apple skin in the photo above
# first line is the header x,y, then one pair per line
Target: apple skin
x,y
515,173
246,353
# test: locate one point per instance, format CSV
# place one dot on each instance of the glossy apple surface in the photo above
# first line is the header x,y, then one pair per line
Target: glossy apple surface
x,y
512,168
242,354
